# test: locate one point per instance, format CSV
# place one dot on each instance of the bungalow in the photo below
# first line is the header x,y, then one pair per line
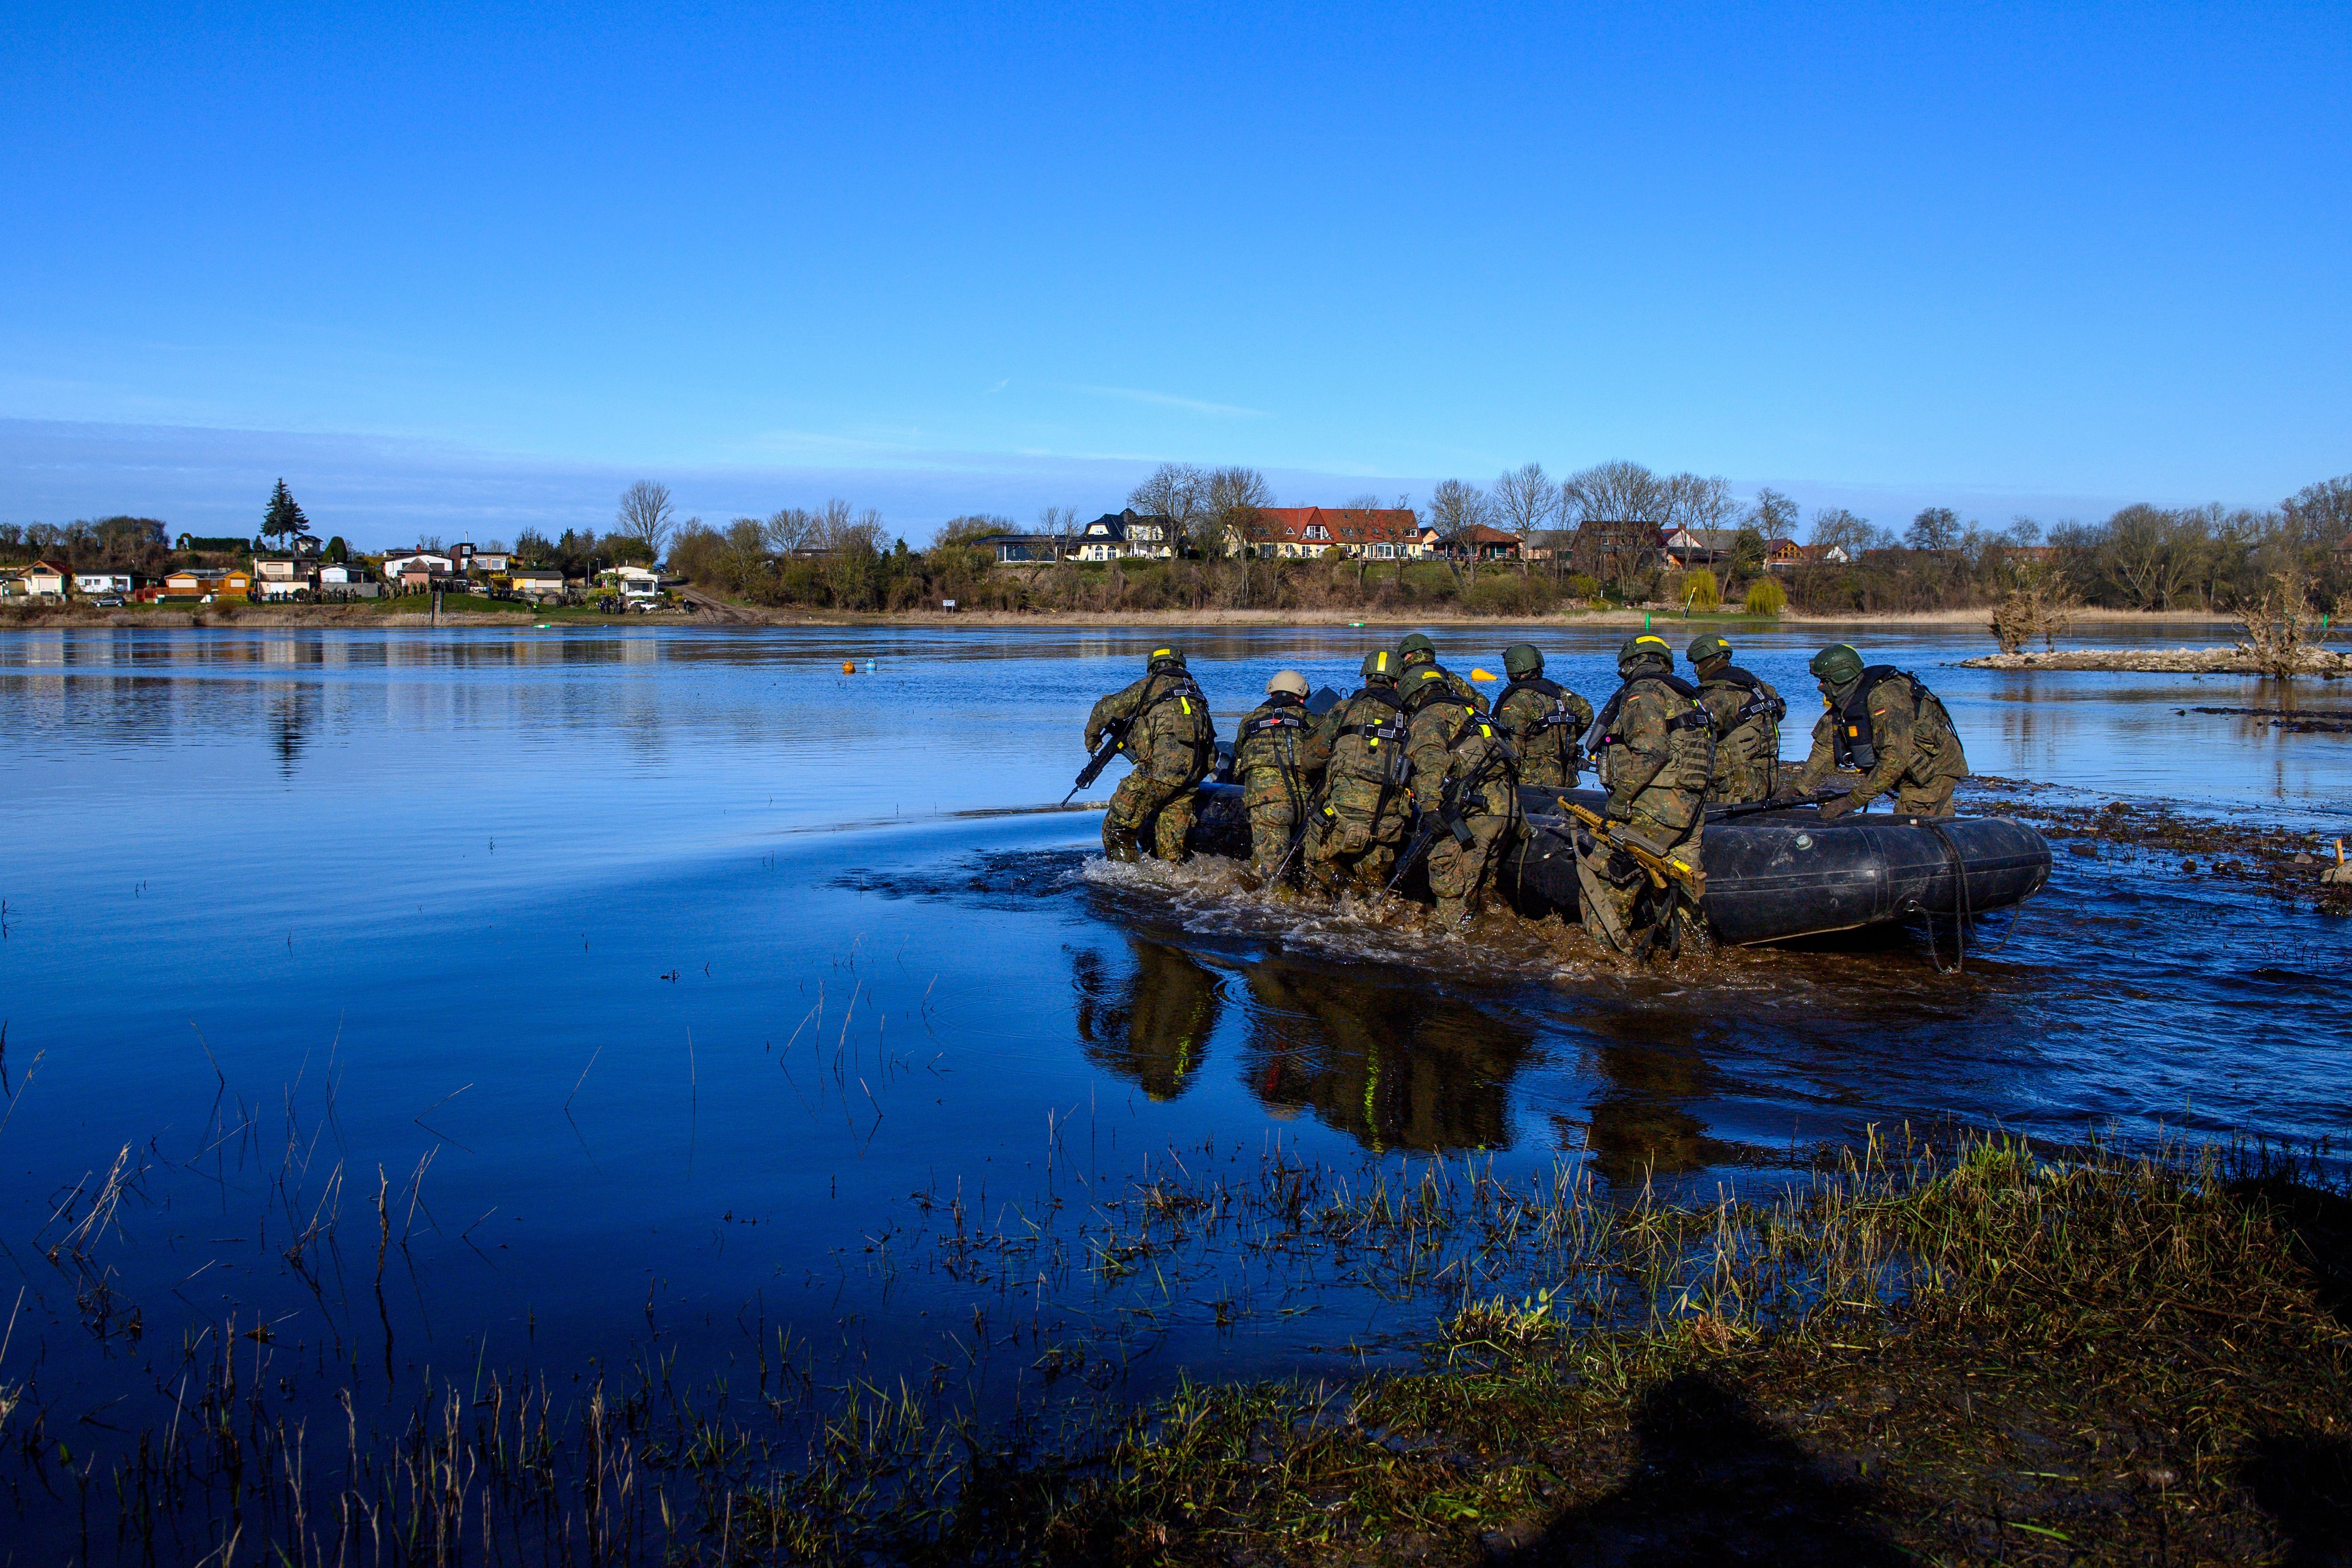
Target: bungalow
x,y
538,581
207,583
347,582
1479,542
429,563
12,585
93,583
1022,547
43,580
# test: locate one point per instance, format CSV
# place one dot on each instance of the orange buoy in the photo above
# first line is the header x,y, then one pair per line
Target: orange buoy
x,y
849,667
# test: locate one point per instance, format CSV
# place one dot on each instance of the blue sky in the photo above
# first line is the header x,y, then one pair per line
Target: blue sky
x,y
2016,259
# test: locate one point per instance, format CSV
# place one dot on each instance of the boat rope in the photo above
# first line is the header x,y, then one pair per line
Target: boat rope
x,y
1960,909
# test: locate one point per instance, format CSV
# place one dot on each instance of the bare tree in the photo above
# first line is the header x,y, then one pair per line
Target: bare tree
x,y
1834,528
1233,517
1455,507
646,515
1527,503
1179,493
789,528
1060,525
1618,509
1771,514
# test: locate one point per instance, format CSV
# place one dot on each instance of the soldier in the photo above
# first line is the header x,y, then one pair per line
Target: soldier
x,y
1655,753
1172,741
1279,761
1417,652
1544,720
1883,722
1747,713
1465,774
1353,835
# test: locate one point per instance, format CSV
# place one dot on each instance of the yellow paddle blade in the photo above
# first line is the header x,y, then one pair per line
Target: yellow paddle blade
x,y
1480,675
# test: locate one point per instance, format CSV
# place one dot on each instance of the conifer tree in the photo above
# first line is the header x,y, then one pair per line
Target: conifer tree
x,y
284,518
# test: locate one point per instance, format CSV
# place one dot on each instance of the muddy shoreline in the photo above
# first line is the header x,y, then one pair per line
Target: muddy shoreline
x,y
2236,659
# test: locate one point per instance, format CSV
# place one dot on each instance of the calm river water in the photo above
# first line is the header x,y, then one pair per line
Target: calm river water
x,y
701,978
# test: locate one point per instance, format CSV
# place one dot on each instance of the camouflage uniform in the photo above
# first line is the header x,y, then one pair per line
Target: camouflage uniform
x,y
1656,757
1417,653
1172,741
1361,819
1545,722
1463,767
1278,756
1895,732
1747,713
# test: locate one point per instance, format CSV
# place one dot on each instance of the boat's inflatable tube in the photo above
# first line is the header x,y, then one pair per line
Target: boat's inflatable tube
x,y
1771,875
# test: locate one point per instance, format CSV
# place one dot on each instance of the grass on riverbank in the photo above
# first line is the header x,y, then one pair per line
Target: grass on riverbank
x,y
1987,1357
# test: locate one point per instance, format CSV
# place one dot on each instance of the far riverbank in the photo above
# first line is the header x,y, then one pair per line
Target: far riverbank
x,y
717,613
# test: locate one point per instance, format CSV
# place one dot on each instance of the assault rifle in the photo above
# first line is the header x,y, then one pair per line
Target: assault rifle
x,y
1654,859
1114,736
1444,817
1750,808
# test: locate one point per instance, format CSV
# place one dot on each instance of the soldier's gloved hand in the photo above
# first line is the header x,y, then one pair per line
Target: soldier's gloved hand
x,y
1837,806
1787,794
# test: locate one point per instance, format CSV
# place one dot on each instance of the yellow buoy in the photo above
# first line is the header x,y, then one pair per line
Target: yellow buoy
x,y
1480,675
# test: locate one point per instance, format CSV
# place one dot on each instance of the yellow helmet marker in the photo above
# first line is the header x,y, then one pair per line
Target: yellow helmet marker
x,y
1160,652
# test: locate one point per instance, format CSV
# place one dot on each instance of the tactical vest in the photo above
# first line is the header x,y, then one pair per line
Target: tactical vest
x,y
1283,729
1759,702
1552,731
1690,737
1854,741
1497,758
1193,726
1356,750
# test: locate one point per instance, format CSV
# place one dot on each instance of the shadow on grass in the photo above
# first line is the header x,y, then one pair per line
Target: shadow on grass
x,y
2304,1484
1715,1483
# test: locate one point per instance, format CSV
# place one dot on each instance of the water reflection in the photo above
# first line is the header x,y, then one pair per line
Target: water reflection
x,y
1640,1125
1393,1063
1152,1029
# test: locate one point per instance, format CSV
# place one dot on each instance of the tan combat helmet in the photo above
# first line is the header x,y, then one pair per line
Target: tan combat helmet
x,y
1288,680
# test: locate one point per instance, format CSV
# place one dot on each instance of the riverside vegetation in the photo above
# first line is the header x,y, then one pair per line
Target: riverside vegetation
x,y
1970,1352
1597,533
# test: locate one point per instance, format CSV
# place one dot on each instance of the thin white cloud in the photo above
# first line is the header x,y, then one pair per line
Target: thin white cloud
x,y
1166,400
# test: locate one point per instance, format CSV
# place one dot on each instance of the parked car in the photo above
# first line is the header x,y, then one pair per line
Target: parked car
x,y
108,601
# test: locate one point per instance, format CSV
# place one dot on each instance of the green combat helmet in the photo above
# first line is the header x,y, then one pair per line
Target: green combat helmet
x,y
1707,647
1415,648
1640,650
1522,659
1380,664
1840,664
1169,657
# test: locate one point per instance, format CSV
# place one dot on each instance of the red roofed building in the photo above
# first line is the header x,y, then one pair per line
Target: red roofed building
x,y
1302,532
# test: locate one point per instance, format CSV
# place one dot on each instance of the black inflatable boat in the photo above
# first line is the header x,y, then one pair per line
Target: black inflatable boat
x,y
1771,875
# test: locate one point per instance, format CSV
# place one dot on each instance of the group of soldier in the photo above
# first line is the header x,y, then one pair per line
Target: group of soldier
x,y
1419,763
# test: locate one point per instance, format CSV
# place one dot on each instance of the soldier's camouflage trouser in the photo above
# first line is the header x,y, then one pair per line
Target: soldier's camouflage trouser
x,y
1346,849
1459,874
1271,822
1739,780
1619,903
1933,799
1131,804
